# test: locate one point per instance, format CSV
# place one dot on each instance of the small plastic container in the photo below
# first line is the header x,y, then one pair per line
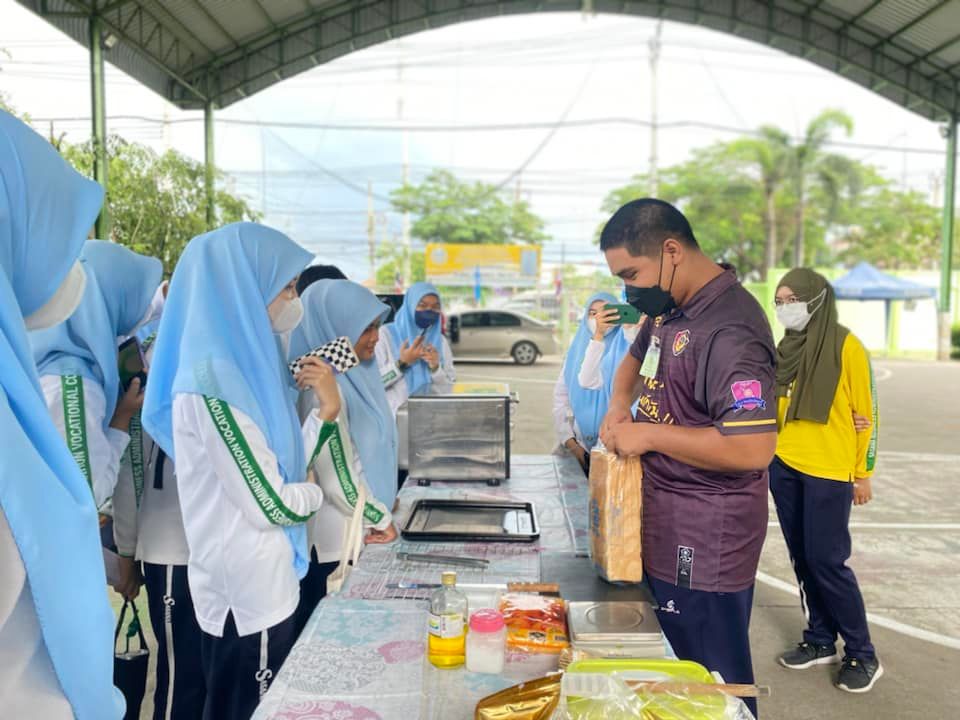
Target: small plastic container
x,y
486,642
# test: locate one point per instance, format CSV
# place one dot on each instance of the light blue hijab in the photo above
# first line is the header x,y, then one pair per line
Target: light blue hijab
x,y
590,406
404,329
340,308
120,286
46,210
215,339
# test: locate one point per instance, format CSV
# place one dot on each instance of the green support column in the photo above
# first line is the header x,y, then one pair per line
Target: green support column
x,y
946,260
209,166
99,112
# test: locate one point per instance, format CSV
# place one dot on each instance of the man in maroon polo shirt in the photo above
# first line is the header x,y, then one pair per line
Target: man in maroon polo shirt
x,y
702,373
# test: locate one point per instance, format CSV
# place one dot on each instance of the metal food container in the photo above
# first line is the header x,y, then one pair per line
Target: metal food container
x,y
463,436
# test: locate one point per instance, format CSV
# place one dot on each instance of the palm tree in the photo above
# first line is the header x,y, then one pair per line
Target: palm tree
x,y
811,163
770,151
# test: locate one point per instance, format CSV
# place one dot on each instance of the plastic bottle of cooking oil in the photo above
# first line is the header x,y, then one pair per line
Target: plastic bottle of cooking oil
x,y
447,627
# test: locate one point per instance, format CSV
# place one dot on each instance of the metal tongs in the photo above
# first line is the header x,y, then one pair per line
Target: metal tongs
x,y
480,563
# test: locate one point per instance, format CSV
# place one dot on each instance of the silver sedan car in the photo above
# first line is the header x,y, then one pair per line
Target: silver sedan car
x,y
500,334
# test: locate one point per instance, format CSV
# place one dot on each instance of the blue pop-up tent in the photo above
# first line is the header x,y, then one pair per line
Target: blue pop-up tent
x,y
865,282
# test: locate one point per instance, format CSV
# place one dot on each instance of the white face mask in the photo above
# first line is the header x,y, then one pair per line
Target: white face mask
x,y
63,303
592,326
796,316
287,317
630,332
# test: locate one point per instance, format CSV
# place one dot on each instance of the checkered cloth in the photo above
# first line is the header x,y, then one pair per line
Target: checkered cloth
x,y
338,354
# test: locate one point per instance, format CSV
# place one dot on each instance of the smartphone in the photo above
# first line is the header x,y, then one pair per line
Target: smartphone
x,y
629,315
338,354
131,363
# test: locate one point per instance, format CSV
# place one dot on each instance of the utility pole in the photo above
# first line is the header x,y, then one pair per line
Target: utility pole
x,y
654,62
371,233
99,113
405,170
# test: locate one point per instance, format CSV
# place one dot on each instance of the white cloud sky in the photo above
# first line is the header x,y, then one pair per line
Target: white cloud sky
x,y
500,71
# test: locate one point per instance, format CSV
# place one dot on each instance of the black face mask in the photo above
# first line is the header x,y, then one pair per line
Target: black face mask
x,y
653,301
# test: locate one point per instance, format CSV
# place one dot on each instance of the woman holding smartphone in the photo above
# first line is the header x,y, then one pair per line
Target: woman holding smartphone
x,y
414,356
579,407
78,364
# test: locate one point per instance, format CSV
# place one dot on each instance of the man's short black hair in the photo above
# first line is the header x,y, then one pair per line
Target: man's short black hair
x,y
642,226
318,272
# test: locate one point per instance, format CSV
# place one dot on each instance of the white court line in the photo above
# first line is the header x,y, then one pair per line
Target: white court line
x,y
879,620
881,374
920,457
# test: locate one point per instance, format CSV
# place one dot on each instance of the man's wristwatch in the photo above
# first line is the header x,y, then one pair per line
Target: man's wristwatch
x,y
402,366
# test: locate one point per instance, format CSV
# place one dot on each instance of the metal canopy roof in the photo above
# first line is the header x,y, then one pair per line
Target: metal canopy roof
x,y
194,51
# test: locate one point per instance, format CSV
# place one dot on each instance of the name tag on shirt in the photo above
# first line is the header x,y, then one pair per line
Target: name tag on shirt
x,y
651,361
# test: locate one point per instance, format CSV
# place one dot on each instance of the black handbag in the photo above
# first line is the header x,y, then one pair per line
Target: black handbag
x,y
130,666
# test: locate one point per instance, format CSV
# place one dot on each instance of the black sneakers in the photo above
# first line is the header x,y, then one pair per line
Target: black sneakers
x,y
806,656
859,676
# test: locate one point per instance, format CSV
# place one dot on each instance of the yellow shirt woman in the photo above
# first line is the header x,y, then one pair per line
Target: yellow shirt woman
x,y
836,450
822,467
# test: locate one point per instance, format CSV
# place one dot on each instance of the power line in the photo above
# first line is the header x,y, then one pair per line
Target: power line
x,y
489,127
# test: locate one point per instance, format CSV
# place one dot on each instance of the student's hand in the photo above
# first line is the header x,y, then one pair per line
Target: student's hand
x,y
381,537
628,439
577,451
861,423
318,376
410,352
431,357
862,492
130,404
615,416
604,320
130,579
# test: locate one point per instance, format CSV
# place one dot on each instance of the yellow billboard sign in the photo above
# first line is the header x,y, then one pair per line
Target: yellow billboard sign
x,y
496,265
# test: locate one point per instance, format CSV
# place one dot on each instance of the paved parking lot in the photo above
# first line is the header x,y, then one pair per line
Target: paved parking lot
x,y
906,550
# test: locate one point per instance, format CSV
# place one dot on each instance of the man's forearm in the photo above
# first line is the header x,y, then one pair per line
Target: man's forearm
x,y
708,449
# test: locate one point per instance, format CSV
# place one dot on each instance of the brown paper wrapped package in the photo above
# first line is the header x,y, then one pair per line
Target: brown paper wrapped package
x,y
616,509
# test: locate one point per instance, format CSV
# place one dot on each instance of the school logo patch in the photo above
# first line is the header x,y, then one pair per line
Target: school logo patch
x,y
680,342
747,395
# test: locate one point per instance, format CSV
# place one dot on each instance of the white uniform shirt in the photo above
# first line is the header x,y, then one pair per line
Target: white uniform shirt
x,y
387,355
241,561
564,424
147,523
29,687
339,480
591,374
96,450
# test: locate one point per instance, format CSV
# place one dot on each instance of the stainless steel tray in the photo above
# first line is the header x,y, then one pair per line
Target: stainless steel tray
x,y
472,521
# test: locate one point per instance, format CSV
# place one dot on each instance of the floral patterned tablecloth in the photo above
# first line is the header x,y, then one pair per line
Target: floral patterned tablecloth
x,y
362,657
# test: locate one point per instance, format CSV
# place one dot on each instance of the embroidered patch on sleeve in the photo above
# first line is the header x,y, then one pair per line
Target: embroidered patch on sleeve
x,y
747,395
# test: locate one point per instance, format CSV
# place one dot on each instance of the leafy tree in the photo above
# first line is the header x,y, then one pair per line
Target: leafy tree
x,y
721,199
890,228
390,265
770,153
810,164
157,202
448,210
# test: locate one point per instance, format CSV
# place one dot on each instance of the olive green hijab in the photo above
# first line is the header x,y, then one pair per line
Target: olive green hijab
x,y
810,360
